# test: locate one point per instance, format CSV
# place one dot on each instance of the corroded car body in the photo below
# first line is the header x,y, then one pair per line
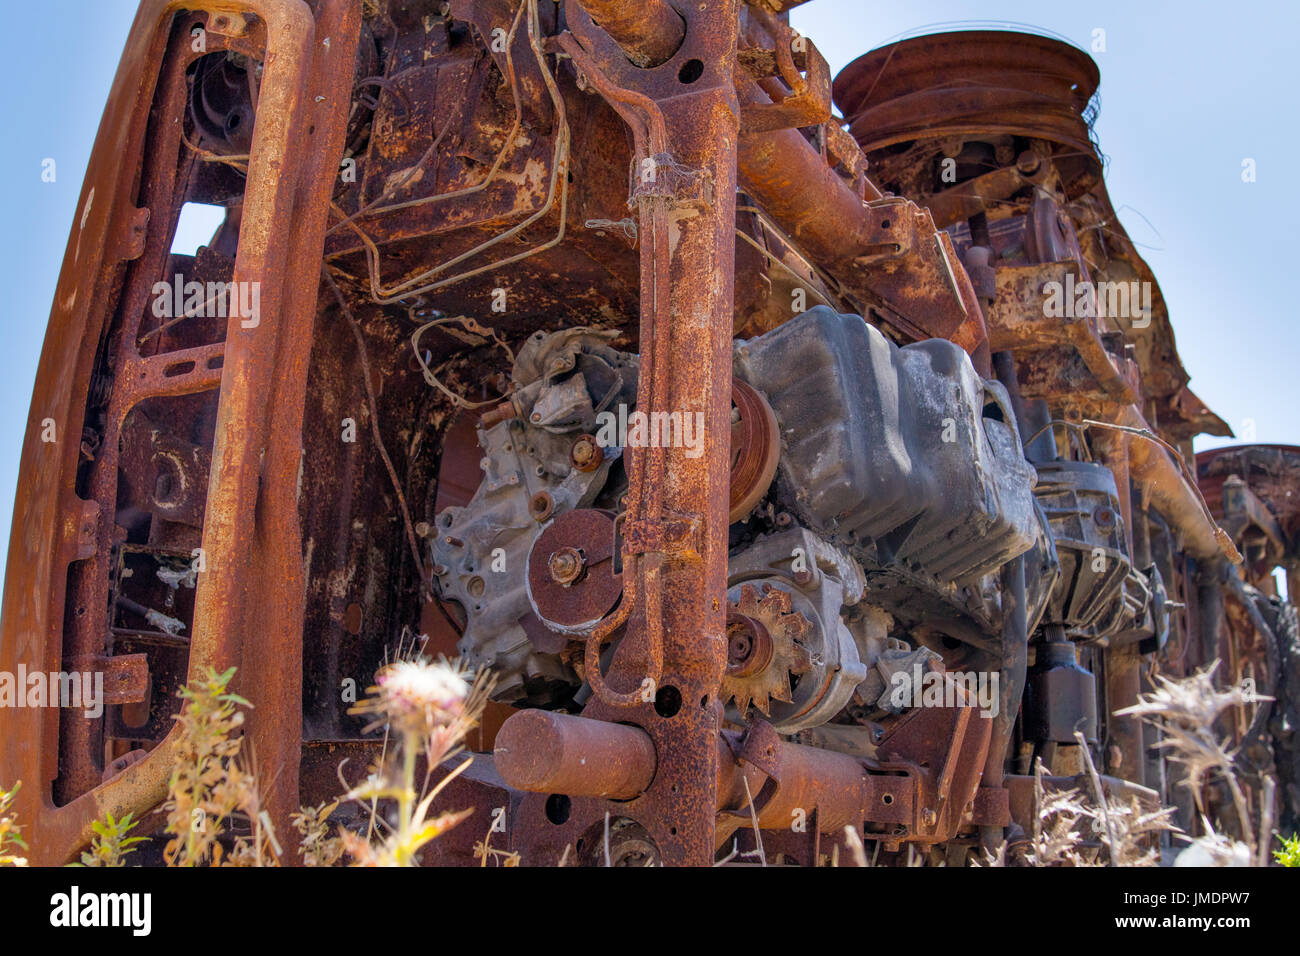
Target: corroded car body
x,y
477,228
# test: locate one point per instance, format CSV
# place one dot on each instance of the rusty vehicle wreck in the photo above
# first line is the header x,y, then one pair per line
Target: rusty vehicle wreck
x,y
717,407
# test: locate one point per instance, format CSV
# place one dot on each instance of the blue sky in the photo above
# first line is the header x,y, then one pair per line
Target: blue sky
x,y
1187,91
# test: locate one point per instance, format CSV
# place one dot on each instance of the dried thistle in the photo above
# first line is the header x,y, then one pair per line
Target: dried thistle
x,y
1213,849
1058,837
428,707
1186,710
9,836
1134,830
995,859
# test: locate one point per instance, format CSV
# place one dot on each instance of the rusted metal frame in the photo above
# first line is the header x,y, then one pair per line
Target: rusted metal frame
x,y
1241,508
686,303
55,527
1244,615
808,99
80,739
645,468
885,252
976,195
1017,322
58,831
271,671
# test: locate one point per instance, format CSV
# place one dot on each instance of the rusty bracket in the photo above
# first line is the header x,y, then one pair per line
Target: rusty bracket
x,y
82,527
681,535
894,226
796,61
760,747
843,150
126,676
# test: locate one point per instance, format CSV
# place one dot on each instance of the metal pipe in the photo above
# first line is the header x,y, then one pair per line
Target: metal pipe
x,y
1167,489
649,31
836,785
1015,660
803,195
1123,683
544,752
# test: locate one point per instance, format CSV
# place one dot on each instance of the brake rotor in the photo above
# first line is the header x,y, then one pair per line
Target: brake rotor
x,y
765,647
572,579
755,449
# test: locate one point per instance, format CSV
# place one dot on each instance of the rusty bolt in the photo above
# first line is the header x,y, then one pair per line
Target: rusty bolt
x,y
566,566
586,454
928,817
1028,162
541,506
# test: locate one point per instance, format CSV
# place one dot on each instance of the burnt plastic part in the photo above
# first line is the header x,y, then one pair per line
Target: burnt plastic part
x,y
1060,696
906,449
1083,510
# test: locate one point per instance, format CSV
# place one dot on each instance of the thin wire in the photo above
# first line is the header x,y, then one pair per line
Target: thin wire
x,y
472,327
559,166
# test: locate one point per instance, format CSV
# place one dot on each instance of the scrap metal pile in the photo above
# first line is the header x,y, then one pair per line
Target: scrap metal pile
x,y
790,470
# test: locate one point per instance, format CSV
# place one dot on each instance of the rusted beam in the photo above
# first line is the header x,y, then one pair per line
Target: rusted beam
x,y
649,31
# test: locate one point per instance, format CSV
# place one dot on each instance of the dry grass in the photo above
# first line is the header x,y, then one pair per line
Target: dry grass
x,y
211,783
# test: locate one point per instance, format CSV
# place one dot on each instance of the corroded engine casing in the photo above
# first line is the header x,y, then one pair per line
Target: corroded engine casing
x,y
907,450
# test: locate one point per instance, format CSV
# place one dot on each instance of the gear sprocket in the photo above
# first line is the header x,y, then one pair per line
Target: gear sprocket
x,y
764,648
